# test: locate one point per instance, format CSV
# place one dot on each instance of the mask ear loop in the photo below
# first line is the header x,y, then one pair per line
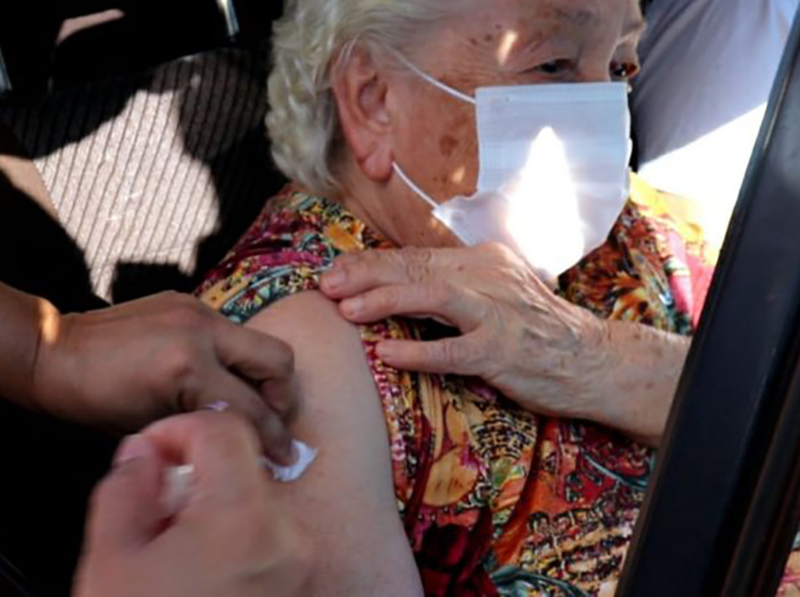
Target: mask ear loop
x,y
411,185
442,87
433,81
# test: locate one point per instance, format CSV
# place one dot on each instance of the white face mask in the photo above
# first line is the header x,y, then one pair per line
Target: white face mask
x,y
553,170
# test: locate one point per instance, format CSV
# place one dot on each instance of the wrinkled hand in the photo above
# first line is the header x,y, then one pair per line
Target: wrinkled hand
x,y
230,539
517,335
124,367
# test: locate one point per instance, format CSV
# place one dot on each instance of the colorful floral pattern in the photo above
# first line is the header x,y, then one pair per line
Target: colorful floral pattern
x,y
496,501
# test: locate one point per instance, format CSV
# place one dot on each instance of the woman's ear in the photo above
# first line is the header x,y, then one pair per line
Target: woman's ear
x,y
361,90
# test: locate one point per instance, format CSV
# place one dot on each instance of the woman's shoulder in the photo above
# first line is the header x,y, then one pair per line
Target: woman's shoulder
x,y
294,239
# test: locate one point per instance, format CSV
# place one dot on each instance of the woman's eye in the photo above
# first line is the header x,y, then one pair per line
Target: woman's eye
x,y
623,71
555,67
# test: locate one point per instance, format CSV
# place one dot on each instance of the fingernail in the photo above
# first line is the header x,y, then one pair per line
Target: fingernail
x,y
334,278
220,406
178,482
288,456
293,456
304,457
353,307
131,448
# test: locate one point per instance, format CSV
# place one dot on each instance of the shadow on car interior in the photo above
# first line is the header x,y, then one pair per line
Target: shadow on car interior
x,y
49,466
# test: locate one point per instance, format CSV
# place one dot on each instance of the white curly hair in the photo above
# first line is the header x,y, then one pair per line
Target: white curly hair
x,y
312,40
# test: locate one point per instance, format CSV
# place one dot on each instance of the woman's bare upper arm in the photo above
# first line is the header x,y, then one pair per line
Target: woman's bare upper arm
x,y
346,500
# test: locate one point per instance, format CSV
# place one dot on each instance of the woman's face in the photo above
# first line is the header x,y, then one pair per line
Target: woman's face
x,y
502,42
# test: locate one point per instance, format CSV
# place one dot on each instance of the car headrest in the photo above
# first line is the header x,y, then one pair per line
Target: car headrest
x,y
46,46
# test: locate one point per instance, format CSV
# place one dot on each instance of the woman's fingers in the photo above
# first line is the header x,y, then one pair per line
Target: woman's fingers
x,y
357,273
432,299
465,355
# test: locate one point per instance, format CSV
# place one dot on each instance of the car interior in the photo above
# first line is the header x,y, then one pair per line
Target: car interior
x,y
132,60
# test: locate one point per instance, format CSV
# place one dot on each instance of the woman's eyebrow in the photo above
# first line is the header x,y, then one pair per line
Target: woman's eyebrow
x,y
582,16
587,16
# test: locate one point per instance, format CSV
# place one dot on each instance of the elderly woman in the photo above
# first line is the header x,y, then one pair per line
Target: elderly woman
x,y
494,498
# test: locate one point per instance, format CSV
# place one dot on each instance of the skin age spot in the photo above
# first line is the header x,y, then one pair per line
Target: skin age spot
x,y
448,144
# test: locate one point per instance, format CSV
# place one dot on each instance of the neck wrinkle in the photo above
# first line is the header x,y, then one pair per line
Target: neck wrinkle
x,y
361,199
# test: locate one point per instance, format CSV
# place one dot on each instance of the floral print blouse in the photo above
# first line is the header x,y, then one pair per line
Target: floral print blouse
x,y
495,500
